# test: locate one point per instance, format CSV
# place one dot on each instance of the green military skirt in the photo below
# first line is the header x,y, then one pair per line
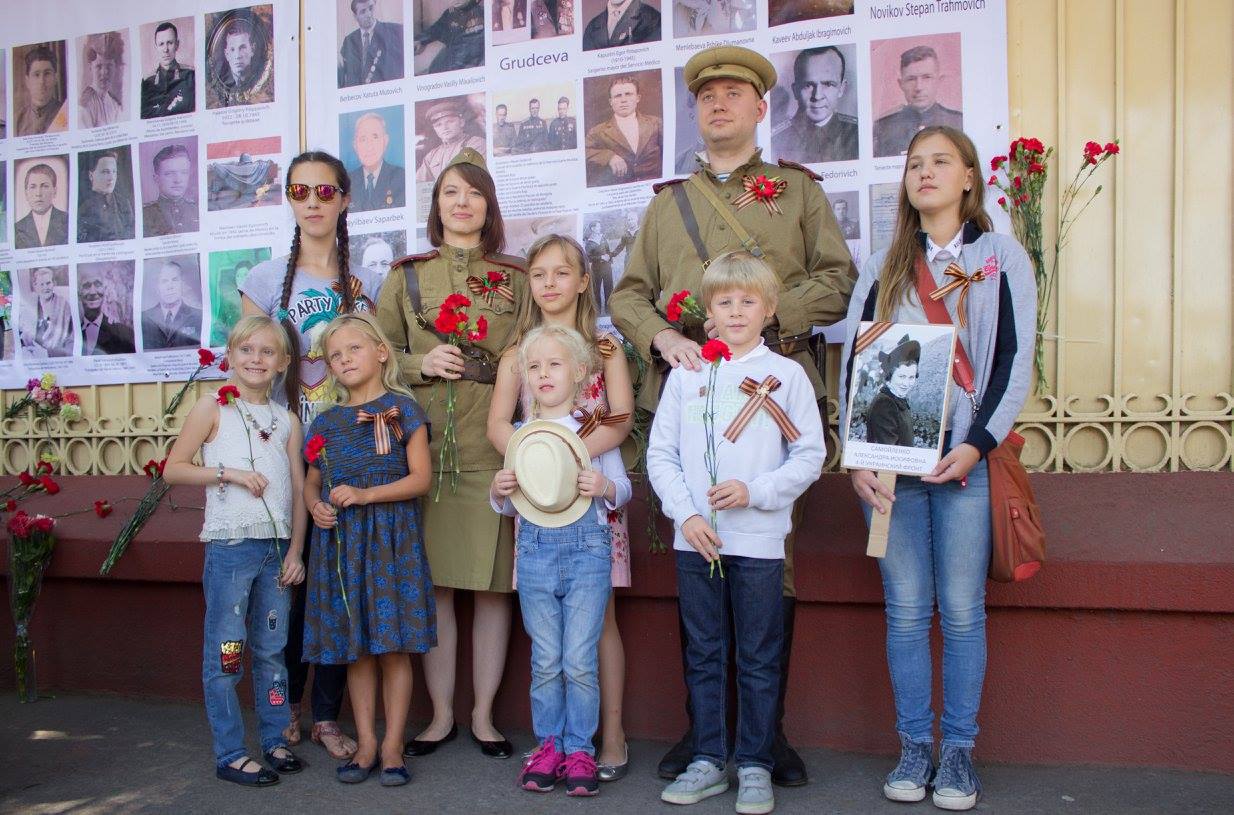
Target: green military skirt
x,y
469,545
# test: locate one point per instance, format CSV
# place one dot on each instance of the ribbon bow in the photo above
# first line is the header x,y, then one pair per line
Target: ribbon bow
x,y
357,288
606,346
384,423
762,189
589,420
760,397
959,280
486,288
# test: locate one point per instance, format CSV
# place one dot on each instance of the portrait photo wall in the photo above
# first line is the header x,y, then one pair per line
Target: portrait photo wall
x,y
143,149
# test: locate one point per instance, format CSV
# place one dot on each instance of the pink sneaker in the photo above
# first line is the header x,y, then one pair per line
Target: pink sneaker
x,y
581,778
542,769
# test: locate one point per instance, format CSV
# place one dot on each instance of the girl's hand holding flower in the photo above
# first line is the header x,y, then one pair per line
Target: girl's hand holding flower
x,y
345,496
445,361
254,482
324,515
731,494
293,570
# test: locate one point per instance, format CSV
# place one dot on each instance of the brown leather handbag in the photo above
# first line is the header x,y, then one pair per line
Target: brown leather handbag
x,y
1017,536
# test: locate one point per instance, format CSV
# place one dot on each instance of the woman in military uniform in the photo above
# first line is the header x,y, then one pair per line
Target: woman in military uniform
x,y
469,546
460,28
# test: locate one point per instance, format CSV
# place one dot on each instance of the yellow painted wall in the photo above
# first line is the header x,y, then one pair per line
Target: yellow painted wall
x,y
1142,369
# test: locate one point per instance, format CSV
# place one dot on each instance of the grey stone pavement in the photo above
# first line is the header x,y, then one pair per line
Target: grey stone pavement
x,y
97,754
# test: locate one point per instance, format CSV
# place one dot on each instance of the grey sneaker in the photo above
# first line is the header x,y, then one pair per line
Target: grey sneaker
x,y
701,780
956,785
907,782
754,795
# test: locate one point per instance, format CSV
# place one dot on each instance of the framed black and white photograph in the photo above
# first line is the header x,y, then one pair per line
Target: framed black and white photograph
x,y
898,400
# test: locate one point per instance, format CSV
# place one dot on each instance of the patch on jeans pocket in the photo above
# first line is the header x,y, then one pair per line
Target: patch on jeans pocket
x,y
230,652
272,620
278,693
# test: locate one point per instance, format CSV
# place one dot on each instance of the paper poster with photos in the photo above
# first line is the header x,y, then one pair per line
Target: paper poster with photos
x,y
142,153
900,397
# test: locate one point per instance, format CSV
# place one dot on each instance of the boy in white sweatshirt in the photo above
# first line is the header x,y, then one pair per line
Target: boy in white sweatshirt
x,y
769,448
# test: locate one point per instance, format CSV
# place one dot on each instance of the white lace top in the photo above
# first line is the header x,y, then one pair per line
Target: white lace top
x,y
236,513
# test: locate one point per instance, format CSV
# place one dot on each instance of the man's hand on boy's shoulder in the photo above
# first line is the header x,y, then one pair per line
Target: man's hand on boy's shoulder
x,y
699,534
731,494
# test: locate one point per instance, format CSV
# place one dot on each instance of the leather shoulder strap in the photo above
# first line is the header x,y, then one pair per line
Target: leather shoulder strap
x,y
747,242
413,287
691,223
936,311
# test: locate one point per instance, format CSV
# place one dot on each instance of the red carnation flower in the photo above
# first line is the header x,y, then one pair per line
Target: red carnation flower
x,y
228,394
49,485
496,278
26,479
10,505
1111,149
993,180
224,365
153,468
1002,202
43,468
713,350
19,524
1036,167
42,523
1017,182
997,162
205,357
447,321
72,398
315,445
102,508
480,332
1034,145
673,312
455,301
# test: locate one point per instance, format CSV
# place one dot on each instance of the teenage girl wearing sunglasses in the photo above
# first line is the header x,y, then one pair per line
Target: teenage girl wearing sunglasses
x,y
305,290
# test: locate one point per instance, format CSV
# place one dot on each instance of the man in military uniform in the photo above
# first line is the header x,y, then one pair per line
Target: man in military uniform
x,y
460,29
373,52
532,131
850,229
45,111
818,131
376,183
170,89
562,132
103,215
447,118
919,80
504,132
698,216
174,211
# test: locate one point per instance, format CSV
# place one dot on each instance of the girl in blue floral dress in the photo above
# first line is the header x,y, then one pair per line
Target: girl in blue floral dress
x,y
369,599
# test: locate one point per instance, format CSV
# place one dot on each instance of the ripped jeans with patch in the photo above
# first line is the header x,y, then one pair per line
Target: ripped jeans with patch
x,y
245,611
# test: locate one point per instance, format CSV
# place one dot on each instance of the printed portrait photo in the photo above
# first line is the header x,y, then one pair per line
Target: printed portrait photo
x,y
171,303
105,306
8,338
372,147
45,326
169,183
814,105
551,18
844,207
625,128
509,21
370,42
240,57
243,173
103,70
780,12
227,270
898,397
536,119
375,251
40,89
521,233
607,240
695,18
916,83
105,195
41,203
687,143
168,74
884,207
444,127
449,35
611,24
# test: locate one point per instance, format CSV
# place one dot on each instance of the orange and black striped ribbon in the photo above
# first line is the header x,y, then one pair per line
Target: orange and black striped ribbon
x,y
760,397
384,422
356,286
871,334
606,346
486,290
589,420
960,281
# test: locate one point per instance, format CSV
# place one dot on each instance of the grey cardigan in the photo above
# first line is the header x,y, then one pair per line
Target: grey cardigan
x,y
1002,319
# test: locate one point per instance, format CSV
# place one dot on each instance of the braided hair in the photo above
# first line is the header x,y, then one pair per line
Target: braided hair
x,y
343,252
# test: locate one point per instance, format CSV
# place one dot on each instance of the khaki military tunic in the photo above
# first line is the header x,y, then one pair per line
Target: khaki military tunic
x,y
801,243
469,546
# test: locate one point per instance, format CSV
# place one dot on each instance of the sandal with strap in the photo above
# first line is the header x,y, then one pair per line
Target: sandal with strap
x,y
337,744
292,734
261,777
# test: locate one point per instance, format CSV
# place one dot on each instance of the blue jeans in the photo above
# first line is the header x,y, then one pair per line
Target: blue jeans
x,y
564,580
938,552
752,591
245,611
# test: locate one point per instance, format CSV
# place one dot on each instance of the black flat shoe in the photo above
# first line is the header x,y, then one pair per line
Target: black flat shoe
x,y
494,749
677,758
787,768
418,747
290,764
261,777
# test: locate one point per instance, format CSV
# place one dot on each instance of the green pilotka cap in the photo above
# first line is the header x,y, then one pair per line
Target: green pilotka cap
x,y
732,62
467,155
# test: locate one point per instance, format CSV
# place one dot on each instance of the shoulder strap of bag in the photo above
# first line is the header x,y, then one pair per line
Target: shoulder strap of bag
x,y
747,242
413,286
691,223
936,311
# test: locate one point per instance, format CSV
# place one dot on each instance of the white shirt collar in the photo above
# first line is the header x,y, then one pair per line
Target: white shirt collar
x,y
754,353
953,248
